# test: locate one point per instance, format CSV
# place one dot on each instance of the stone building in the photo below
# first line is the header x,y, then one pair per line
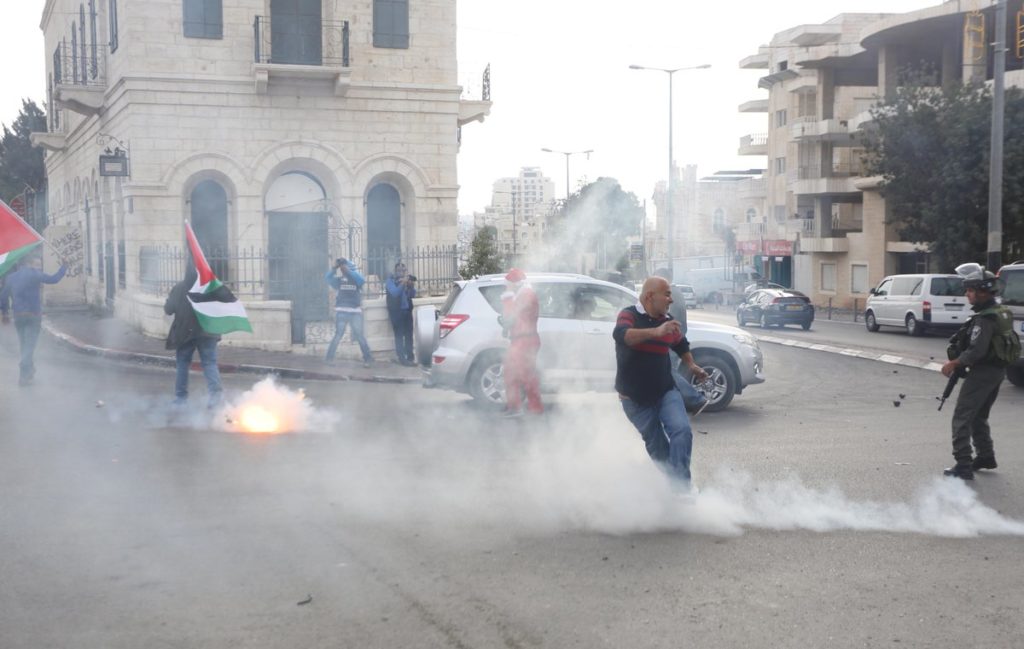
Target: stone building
x,y
289,132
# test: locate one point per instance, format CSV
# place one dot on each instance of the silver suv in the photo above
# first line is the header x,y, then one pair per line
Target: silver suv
x,y
1011,294
462,346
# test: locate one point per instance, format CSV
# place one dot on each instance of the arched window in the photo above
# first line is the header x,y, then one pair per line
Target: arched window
x,y
209,218
751,215
383,228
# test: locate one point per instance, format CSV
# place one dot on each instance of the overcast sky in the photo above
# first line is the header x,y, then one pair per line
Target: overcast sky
x,y
560,79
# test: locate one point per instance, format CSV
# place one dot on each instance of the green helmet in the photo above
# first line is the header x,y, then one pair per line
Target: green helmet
x,y
981,279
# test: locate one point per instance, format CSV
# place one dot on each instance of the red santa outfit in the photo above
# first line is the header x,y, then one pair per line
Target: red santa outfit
x,y
520,313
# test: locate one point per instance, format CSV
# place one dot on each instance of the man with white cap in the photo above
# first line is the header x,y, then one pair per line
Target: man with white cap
x,y
520,311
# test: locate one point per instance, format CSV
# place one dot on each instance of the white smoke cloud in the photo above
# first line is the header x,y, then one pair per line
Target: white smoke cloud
x,y
271,408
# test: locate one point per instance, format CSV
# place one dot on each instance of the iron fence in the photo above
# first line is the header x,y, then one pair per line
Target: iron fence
x,y
252,273
293,42
76,64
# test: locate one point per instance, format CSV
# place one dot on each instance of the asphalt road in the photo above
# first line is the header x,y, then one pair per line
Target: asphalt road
x,y
407,518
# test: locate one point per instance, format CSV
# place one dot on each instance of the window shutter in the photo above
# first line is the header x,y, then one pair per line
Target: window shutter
x,y
203,18
391,23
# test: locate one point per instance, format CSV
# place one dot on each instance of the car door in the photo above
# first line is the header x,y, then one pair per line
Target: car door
x,y
880,302
561,348
746,308
597,323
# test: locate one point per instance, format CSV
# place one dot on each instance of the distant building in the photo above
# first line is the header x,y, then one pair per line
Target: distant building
x,y
518,210
288,132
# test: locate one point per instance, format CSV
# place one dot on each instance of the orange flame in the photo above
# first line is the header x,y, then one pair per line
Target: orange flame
x,y
257,419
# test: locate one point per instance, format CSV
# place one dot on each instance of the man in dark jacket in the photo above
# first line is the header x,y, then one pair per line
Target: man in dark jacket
x,y
348,310
21,292
401,289
186,337
971,350
645,334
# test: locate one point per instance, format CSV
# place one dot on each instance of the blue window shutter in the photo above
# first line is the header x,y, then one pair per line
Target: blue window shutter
x,y
203,18
391,23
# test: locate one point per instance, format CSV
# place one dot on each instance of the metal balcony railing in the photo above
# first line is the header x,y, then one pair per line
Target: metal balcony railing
x,y
289,41
754,139
80,64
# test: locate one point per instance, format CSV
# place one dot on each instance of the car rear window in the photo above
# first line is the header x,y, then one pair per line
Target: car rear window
x,y
1011,286
792,299
492,294
947,286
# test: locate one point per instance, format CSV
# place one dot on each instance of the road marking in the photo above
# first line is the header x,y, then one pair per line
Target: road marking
x,y
854,352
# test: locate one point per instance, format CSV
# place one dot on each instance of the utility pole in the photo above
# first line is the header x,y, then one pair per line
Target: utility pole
x,y
995,177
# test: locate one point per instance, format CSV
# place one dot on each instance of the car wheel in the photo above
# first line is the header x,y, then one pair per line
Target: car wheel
x,y
914,326
487,380
806,325
764,321
720,387
870,322
1015,375
739,319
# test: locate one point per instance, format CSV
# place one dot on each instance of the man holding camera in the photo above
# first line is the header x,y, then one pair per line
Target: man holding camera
x,y
401,289
348,307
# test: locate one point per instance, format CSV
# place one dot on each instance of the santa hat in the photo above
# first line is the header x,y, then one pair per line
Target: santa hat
x,y
515,275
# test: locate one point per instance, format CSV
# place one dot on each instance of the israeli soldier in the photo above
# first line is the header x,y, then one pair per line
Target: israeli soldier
x,y
981,350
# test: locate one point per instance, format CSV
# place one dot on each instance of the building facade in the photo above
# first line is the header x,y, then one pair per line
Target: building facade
x,y
822,82
288,132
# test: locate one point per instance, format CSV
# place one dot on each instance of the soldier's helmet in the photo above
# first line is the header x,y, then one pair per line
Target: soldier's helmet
x,y
976,277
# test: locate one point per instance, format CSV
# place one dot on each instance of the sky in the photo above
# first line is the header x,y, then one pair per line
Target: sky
x,y
560,79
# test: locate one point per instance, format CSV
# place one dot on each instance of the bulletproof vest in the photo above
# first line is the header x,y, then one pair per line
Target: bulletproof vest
x,y
1005,349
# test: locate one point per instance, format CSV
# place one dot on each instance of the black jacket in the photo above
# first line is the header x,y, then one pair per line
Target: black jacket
x,y
185,326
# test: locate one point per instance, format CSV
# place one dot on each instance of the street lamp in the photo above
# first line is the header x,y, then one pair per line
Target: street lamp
x,y
669,196
568,190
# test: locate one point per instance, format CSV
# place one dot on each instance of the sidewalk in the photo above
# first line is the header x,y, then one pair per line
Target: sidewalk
x,y
88,332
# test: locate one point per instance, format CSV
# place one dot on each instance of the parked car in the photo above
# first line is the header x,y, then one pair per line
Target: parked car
x,y
685,294
462,348
1011,294
917,303
750,288
776,307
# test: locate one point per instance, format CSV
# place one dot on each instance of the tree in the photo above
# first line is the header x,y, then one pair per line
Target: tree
x,y
21,164
484,258
598,219
931,149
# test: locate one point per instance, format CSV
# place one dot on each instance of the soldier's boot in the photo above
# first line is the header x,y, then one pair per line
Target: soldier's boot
x,y
980,462
960,471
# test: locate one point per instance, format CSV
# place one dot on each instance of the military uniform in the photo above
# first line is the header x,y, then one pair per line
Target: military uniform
x,y
972,347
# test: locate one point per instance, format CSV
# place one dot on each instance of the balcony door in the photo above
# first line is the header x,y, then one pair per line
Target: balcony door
x,y
295,29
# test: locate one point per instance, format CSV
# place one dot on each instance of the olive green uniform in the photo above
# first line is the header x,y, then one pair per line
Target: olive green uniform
x,y
972,346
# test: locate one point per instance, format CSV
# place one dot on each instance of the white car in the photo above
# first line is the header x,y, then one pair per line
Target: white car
x,y
917,303
462,348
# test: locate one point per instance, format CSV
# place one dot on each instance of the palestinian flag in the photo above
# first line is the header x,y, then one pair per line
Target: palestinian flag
x,y
17,238
216,307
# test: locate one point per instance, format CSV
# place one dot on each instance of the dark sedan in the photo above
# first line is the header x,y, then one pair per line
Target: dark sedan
x,y
776,307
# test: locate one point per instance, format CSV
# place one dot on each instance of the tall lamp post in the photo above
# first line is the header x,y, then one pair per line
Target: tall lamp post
x,y
669,208
568,189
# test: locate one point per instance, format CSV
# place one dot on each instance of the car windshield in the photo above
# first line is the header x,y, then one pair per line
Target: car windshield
x,y
947,286
1011,284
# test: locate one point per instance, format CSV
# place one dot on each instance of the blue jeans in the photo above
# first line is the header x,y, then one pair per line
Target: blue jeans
x,y
207,348
28,327
666,431
401,323
691,396
341,320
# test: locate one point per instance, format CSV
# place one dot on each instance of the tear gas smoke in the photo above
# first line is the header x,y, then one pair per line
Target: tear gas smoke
x,y
576,474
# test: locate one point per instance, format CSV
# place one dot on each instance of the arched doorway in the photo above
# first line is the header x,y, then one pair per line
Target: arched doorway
x,y
383,229
297,247
209,218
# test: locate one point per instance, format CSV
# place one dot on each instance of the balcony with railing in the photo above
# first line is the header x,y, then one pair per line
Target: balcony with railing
x,y
301,49
754,144
80,76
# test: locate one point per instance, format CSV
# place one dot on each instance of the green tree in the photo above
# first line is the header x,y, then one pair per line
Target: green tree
x,y
484,258
21,164
597,219
931,149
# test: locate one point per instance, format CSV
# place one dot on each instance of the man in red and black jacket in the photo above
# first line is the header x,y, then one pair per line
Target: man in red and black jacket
x,y
645,334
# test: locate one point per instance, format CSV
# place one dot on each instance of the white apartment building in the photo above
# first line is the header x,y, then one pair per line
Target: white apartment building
x,y
519,208
289,132
822,81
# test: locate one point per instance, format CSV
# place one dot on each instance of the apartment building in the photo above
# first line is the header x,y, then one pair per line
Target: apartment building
x,y
519,209
289,132
822,81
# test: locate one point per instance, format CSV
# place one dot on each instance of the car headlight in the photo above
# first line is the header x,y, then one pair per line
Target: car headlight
x,y
746,339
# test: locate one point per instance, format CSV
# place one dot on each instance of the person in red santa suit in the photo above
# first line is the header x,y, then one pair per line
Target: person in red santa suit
x,y
520,311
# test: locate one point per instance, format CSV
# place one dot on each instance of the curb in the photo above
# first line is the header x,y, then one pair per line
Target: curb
x,y
882,357
225,368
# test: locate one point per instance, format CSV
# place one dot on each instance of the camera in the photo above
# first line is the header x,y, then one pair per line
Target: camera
x,y
411,278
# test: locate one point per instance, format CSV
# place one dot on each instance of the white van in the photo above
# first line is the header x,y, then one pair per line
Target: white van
x,y
918,303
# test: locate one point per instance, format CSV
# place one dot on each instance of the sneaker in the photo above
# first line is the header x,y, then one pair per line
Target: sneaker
x,y
984,462
510,414
959,471
367,363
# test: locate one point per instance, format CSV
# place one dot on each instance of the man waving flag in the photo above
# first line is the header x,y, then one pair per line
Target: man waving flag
x,y
17,238
216,307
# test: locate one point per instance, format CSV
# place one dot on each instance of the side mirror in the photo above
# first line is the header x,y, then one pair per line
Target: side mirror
x,y
873,292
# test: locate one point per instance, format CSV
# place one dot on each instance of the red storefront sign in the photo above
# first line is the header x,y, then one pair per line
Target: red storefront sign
x,y
771,248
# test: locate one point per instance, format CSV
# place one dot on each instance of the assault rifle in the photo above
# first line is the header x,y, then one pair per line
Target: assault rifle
x,y
957,374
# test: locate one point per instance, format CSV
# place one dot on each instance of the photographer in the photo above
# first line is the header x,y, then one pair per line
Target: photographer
x,y
348,310
401,289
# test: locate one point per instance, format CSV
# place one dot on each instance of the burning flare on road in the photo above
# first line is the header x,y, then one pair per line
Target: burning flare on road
x,y
269,409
